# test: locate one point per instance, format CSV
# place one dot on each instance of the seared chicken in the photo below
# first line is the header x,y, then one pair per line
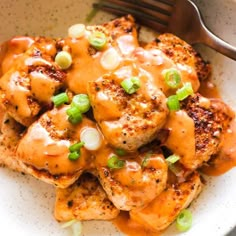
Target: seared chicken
x,y
27,87
84,200
127,121
121,39
211,119
49,139
182,53
164,209
136,184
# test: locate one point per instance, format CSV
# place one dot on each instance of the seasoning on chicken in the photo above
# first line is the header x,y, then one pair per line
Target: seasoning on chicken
x,y
127,121
182,53
164,209
142,178
44,149
203,123
27,87
84,200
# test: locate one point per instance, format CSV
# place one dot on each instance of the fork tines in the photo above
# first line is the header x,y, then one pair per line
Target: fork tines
x,y
152,13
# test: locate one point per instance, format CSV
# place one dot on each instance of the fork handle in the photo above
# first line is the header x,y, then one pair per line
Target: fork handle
x,y
218,44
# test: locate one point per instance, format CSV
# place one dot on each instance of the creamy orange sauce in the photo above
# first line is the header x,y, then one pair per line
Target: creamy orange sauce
x,y
12,50
226,159
129,227
49,153
53,154
181,137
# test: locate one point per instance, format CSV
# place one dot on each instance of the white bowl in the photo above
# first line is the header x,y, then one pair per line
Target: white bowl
x,y
27,204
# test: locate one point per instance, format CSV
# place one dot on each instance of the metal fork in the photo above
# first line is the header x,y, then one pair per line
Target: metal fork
x,y
180,17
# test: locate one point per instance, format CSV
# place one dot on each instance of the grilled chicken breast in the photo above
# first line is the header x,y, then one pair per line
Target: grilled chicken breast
x,y
164,209
84,200
27,87
49,139
136,184
127,121
211,119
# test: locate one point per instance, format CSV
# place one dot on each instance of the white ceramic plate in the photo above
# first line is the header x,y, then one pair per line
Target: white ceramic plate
x,y
26,204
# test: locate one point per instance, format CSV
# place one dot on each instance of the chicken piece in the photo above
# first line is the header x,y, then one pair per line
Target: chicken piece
x,y
142,178
202,122
127,121
182,53
122,39
84,200
11,50
26,89
164,209
49,139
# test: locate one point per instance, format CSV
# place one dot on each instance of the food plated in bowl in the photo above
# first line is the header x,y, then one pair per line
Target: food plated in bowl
x,y
143,111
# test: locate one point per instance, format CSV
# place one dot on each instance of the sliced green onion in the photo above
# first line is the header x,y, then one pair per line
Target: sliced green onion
x,y
173,103
60,99
110,59
74,114
76,147
184,220
63,59
76,228
172,77
131,85
120,152
81,101
172,159
145,160
185,91
68,223
73,156
76,31
115,163
98,40
91,138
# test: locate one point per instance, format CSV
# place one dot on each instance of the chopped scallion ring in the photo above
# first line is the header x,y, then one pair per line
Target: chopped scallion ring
x,y
60,99
131,85
91,138
110,59
173,103
73,156
63,59
115,163
172,77
76,31
185,91
76,147
120,152
76,228
172,159
81,101
98,40
74,114
145,160
184,220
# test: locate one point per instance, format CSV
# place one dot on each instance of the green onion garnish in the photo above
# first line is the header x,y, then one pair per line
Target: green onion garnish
x,y
60,99
184,220
73,156
172,159
120,152
98,40
185,91
145,160
173,103
76,147
74,114
115,163
131,85
172,77
81,101
63,59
